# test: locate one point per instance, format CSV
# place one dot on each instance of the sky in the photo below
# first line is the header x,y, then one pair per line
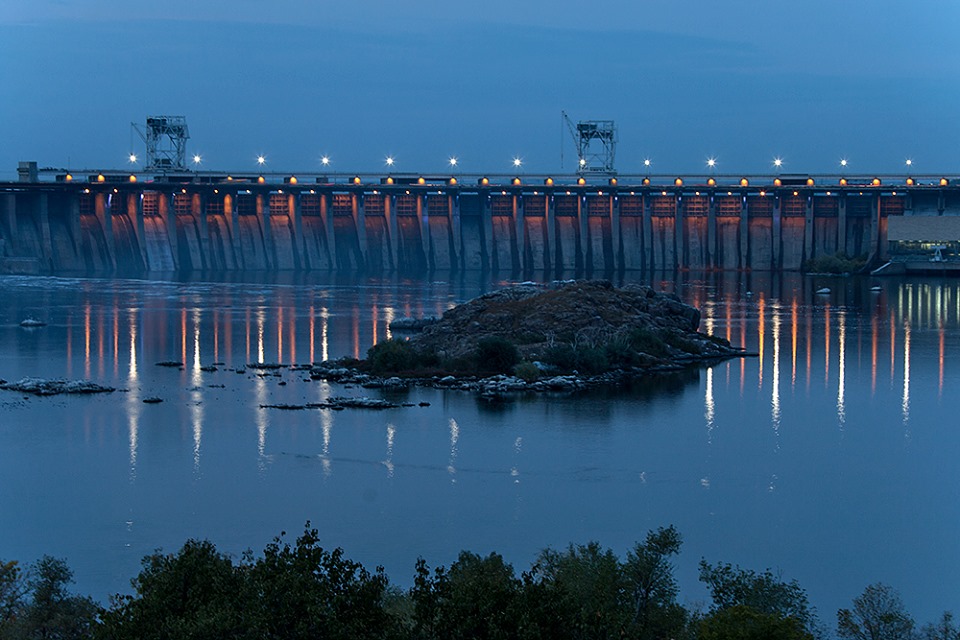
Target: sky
x,y
741,81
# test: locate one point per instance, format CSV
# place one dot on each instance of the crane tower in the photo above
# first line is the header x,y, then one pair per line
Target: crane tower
x,y
596,142
166,139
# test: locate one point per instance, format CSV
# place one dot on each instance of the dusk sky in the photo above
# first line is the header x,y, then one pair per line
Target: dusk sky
x,y
743,81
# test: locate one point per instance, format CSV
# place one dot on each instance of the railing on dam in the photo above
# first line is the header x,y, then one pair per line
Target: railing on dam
x,y
114,221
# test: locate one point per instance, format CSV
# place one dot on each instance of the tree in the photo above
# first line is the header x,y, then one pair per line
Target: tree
x,y
52,612
479,597
877,614
194,593
764,592
13,587
589,586
651,586
304,591
944,629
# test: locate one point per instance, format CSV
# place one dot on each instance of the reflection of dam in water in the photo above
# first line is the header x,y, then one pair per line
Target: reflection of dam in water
x,y
115,223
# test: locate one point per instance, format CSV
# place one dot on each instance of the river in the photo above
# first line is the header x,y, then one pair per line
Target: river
x,y
829,458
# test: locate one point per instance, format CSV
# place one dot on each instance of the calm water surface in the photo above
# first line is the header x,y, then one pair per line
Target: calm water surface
x,y
832,457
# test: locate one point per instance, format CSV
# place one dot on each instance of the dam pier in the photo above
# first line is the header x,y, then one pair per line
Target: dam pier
x,y
115,222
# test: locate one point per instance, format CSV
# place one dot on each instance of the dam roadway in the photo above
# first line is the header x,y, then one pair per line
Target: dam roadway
x,y
130,224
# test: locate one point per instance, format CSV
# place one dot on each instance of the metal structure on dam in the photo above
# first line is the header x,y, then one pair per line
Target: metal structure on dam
x,y
129,224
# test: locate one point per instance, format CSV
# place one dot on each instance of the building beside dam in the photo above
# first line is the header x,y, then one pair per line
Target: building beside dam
x,y
109,221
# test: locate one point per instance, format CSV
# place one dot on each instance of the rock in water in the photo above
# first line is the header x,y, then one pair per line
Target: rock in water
x,y
32,322
55,386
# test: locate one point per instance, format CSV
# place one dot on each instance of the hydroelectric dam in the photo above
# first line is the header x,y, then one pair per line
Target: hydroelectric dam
x,y
122,223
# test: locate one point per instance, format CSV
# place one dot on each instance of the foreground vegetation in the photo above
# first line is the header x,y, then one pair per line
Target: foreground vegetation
x,y
301,590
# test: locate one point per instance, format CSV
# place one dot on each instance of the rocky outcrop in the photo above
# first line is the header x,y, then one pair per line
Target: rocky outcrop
x,y
591,313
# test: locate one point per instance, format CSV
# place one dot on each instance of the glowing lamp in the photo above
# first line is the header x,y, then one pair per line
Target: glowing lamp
x,y
777,182
389,180
293,179
453,181
421,180
613,182
548,182
678,182
711,182
100,178
909,182
944,182
516,181
484,182
875,182
69,178
356,179
581,181
646,182
133,178
843,182
261,180
744,182
810,182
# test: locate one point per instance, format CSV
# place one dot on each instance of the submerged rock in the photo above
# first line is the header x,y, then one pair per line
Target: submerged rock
x,y
32,322
55,386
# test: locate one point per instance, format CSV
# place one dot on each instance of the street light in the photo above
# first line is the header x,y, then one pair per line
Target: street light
x,y
909,162
646,163
843,162
196,159
389,161
778,162
325,161
453,162
517,162
133,158
261,159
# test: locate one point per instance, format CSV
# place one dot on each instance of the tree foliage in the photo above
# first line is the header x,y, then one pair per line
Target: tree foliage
x,y
877,614
50,611
763,592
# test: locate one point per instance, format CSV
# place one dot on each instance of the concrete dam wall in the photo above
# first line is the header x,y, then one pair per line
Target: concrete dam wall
x,y
132,228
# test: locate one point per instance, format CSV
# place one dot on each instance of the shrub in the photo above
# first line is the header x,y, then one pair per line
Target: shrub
x,y
527,371
648,341
391,356
496,354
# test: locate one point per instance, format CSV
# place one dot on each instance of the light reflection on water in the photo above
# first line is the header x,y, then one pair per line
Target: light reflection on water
x,y
802,477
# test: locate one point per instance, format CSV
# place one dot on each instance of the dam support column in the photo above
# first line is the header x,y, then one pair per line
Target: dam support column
x,y
453,206
200,201
232,217
360,220
73,218
550,253
169,216
777,234
104,217
10,222
808,229
393,236
712,233
299,242
875,213
486,221
43,217
263,218
679,237
135,212
519,224
326,216
615,233
842,224
744,232
582,226
647,231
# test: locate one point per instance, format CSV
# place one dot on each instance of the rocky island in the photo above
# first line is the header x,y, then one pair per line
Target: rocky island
x,y
562,335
